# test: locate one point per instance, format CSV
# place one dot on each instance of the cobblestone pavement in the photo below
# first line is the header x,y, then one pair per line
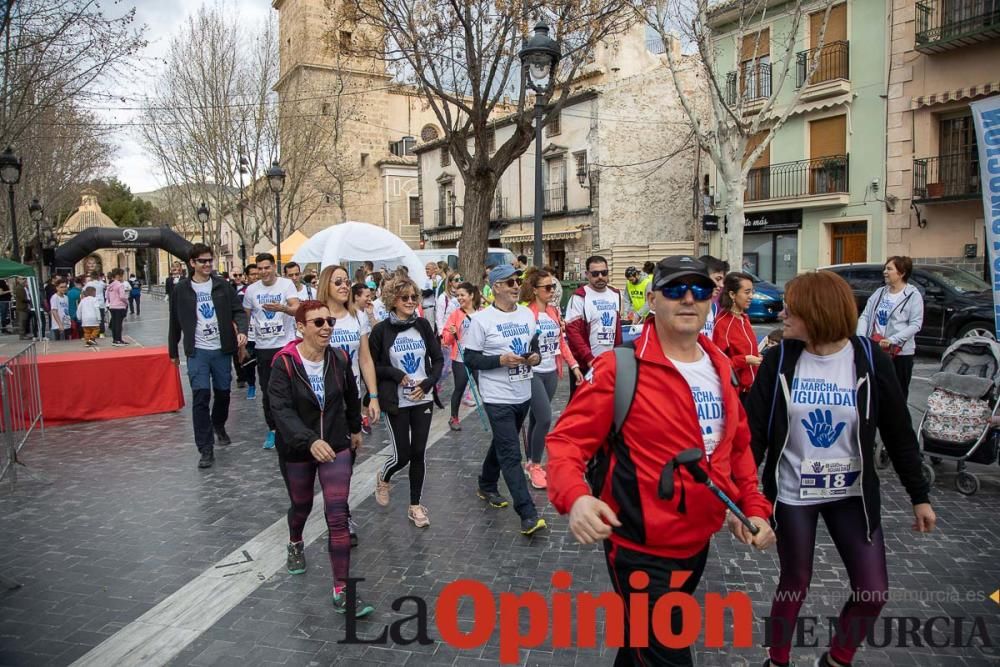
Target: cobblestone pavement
x,y
128,522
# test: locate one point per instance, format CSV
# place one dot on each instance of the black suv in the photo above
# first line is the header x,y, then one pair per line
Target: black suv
x,y
956,303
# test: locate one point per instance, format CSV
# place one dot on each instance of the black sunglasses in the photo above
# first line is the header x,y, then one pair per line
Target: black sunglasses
x,y
513,282
456,279
547,288
320,321
599,274
409,297
337,282
203,260
676,291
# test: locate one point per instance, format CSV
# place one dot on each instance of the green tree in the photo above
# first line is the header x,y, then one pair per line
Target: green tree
x,y
119,204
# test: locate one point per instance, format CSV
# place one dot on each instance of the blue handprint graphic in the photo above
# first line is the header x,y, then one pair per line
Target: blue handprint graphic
x,y
607,319
882,316
820,428
518,347
410,362
350,354
269,314
207,310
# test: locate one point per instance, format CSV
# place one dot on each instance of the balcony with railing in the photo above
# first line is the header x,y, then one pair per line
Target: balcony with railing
x,y
499,210
943,25
751,86
946,178
804,183
833,70
555,199
445,217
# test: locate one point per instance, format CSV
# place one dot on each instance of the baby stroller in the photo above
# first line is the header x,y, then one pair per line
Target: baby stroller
x,y
956,426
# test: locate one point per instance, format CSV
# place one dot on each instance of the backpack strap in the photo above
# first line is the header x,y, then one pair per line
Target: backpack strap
x,y
626,379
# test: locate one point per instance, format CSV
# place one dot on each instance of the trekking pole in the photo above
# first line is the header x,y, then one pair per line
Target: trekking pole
x,y
690,458
473,389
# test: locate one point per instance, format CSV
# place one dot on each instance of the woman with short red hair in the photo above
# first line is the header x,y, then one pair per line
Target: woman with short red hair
x,y
814,408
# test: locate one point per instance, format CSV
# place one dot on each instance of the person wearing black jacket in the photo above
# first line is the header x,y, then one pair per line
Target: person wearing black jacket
x,y
408,363
205,312
813,409
317,413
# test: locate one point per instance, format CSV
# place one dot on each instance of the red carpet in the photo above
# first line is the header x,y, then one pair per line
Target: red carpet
x,y
97,386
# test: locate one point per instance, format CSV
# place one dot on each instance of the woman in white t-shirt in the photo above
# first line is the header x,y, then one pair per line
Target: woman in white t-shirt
x,y
814,409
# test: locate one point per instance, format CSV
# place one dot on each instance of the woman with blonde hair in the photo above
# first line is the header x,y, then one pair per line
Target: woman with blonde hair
x,y
408,364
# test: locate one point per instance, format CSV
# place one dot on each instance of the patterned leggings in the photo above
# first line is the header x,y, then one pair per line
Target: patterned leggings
x,y
335,480
866,568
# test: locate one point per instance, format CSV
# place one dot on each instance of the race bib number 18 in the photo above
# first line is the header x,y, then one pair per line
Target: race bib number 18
x,y
829,478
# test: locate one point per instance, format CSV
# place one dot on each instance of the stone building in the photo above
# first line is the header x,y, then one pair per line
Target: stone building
x,y
88,215
944,55
617,171
368,124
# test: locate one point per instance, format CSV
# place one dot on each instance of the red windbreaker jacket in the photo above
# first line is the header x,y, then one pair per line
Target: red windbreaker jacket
x,y
661,423
733,334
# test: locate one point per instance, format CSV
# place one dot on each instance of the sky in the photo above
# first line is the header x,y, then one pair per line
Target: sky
x,y
162,18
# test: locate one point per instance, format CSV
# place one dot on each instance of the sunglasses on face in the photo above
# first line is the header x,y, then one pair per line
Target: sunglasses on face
x,y
337,282
599,274
676,291
513,282
547,288
456,279
203,260
409,297
320,321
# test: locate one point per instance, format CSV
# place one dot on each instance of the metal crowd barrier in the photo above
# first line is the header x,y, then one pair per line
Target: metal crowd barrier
x,y
21,396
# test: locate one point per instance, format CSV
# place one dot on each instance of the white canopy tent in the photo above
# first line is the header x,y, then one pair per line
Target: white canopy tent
x,y
358,242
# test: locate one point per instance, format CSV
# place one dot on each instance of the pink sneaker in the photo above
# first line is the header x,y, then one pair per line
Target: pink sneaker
x,y
536,473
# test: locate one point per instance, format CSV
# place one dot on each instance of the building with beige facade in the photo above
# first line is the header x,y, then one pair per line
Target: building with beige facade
x,y
945,54
619,169
366,123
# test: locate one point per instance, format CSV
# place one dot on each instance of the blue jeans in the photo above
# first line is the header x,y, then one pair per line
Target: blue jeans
x,y
504,455
208,370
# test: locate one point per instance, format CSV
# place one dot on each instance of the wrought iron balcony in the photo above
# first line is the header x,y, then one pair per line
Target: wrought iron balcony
x,y
802,178
499,210
445,217
750,83
834,63
555,199
943,25
946,177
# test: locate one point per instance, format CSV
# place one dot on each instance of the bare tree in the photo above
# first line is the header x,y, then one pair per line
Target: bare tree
x,y
726,134
463,59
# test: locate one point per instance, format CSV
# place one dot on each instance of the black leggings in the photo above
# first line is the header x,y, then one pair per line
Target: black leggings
x,y
408,430
117,319
461,383
903,365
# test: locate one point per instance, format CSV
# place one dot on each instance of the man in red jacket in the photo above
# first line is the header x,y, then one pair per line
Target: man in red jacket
x,y
683,398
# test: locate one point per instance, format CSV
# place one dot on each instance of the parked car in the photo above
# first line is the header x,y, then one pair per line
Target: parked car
x,y
956,302
768,300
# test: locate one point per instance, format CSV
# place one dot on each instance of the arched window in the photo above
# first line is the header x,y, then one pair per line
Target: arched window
x,y
429,133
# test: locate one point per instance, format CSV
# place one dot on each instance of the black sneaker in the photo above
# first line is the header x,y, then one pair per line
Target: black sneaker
x,y
207,459
493,498
296,562
531,526
222,437
352,528
361,608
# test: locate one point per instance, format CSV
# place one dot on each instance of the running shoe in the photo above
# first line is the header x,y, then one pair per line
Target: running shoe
x,y
296,562
454,424
381,492
536,474
418,515
494,499
251,392
352,528
468,401
269,442
222,437
361,608
366,426
531,526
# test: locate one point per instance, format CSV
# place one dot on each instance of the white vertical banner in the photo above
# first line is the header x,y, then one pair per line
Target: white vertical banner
x,y
986,116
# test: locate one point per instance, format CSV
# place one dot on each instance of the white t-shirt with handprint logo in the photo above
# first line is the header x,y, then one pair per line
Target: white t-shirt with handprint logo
x,y
408,354
494,332
347,335
822,461
206,329
885,306
706,390
601,311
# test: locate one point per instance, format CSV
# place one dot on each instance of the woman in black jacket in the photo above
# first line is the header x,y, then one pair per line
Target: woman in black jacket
x,y
813,411
408,363
314,400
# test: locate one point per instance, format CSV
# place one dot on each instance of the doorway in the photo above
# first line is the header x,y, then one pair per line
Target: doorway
x,y
849,243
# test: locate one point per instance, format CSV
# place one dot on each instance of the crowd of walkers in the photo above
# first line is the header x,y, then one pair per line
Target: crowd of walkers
x,y
334,352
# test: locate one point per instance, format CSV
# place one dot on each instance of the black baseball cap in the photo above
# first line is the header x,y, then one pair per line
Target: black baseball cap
x,y
671,268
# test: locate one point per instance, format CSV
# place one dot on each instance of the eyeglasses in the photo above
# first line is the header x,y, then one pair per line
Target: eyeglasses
x,y
203,260
320,321
676,291
599,274
513,282
547,288
409,297
456,279
337,282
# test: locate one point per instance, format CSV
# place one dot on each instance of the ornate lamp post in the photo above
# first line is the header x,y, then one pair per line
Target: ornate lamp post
x,y
10,174
244,168
539,57
276,181
203,216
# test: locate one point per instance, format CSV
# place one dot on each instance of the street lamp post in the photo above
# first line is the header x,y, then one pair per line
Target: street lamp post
x,y
276,181
539,56
36,213
203,216
244,168
10,173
